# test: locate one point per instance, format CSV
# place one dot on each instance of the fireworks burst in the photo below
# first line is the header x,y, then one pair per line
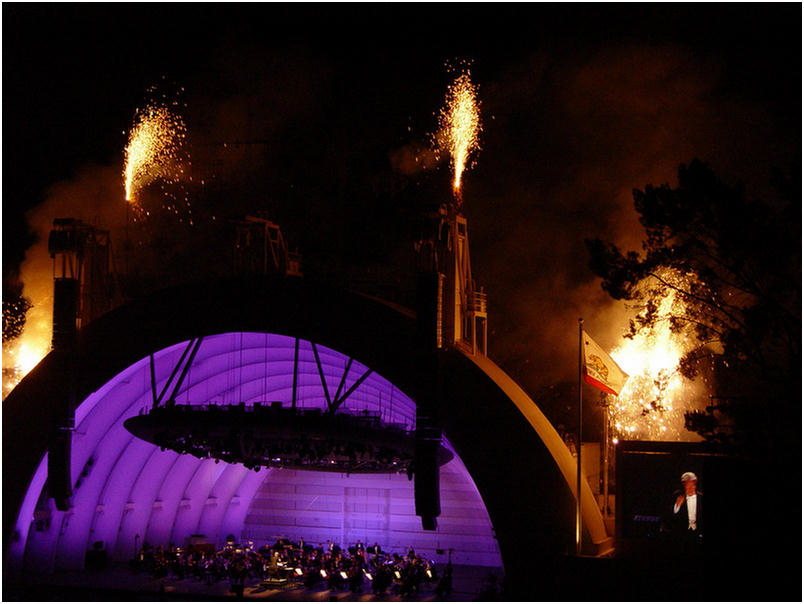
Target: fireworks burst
x,y
28,345
19,357
652,404
459,127
156,151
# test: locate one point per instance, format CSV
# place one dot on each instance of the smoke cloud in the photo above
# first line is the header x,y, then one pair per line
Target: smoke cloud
x,y
95,196
413,158
571,137
332,144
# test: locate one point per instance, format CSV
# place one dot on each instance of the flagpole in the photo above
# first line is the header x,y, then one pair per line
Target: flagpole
x,y
578,523
605,455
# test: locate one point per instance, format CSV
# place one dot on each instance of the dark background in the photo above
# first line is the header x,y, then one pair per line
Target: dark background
x,y
324,108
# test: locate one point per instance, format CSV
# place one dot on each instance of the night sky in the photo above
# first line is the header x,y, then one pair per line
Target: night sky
x,y
324,109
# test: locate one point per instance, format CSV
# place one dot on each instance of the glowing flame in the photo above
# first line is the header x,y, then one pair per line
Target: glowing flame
x,y
154,148
459,126
19,357
652,404
29,353
24,352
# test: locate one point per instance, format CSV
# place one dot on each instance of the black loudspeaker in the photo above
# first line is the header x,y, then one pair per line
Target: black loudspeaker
x,y
426,485
96,559
58,470
65,312
428,300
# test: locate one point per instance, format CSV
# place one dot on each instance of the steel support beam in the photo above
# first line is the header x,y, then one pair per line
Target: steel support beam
x,y
172,399
173,373
153,380
343,378
321,374
295,372
354,387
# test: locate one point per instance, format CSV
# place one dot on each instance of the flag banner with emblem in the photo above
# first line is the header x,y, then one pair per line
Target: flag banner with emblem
x,y
599,368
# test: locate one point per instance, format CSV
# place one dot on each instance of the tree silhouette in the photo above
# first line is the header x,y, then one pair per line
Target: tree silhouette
x,y
735,264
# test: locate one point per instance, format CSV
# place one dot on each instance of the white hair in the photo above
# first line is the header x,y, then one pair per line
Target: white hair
x,y
687,476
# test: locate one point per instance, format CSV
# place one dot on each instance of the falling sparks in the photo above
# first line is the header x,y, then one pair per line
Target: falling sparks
x,y
459,127
155,151
23,352
19,357
14,317
652,404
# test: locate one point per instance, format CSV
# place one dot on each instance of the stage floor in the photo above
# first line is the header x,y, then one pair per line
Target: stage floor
x,y
120,583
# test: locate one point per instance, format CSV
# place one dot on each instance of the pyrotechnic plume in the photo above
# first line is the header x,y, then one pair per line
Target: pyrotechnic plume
x,y
89,196
156,151
652,404
459,127
20,355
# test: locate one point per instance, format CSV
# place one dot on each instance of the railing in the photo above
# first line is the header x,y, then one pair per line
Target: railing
x,y
345,417
476,302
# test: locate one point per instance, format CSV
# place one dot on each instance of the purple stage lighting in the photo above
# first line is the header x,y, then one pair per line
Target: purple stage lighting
x,y
127,491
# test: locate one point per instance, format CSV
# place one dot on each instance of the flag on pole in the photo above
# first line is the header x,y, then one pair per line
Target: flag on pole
x,y
599,369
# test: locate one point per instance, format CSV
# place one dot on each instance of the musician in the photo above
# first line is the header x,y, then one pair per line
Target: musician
x,y
688,509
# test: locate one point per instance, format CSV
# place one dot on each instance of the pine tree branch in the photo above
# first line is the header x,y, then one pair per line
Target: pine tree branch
x,y
703,301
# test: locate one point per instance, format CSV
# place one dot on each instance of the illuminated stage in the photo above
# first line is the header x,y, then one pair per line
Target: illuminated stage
x,y
126,491
270,406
